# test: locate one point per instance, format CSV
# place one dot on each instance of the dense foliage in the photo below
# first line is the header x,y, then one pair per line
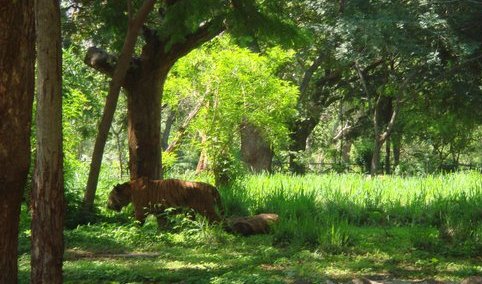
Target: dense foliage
x,y
334,90
235,86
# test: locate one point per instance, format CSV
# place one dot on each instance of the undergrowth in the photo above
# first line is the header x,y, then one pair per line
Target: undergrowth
x,y
331,226
317,210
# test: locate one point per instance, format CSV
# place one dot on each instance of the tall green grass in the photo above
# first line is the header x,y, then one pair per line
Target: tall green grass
x,y
317,208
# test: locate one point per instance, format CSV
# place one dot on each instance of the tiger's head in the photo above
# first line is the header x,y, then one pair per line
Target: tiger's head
x,y
119,197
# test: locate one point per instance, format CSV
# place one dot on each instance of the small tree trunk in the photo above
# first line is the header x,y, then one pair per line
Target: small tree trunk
x,y
388,168
17,56
377,145
182,130
167,130
118,142
375,158
202,163
396,145
255,152
346,151
48,192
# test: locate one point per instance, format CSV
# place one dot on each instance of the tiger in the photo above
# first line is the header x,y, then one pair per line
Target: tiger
x,y
154,196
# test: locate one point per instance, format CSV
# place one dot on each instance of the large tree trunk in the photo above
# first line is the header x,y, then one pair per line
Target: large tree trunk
x,y
384,113
144,111
17,56
256,153
144,98
118,73
144,85
48,192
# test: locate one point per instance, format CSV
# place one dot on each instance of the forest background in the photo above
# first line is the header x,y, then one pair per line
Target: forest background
x,y
217,91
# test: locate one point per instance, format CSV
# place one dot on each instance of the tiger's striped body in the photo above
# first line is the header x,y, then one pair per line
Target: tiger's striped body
x,y
154,196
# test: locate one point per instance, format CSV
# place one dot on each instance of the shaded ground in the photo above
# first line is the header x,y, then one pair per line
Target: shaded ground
x,y
111,254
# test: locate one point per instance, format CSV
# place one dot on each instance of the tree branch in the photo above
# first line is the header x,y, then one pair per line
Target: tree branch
x,y
361,76
182,129
106,63
203,34
391,123
388,130
309,73
100,60
343,132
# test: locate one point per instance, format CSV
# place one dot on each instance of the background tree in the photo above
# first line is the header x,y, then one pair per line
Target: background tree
x,y
362,54
239,87
17,55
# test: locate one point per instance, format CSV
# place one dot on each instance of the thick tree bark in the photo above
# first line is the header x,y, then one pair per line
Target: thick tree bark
x,y
382,111
374,166
387,114
118,73
17,56
144,118
256,153
377,142
144,97
48,207
380,138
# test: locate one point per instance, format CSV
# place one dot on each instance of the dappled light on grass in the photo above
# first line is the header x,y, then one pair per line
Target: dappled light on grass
x,y
331,227
379,252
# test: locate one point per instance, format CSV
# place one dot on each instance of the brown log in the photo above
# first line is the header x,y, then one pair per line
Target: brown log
x,y
251,225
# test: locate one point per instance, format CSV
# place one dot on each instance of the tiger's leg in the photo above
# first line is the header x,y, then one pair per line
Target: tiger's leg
x,y
162,222
212,215
140,215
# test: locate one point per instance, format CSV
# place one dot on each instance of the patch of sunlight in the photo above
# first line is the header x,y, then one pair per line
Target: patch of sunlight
x,y
177,265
